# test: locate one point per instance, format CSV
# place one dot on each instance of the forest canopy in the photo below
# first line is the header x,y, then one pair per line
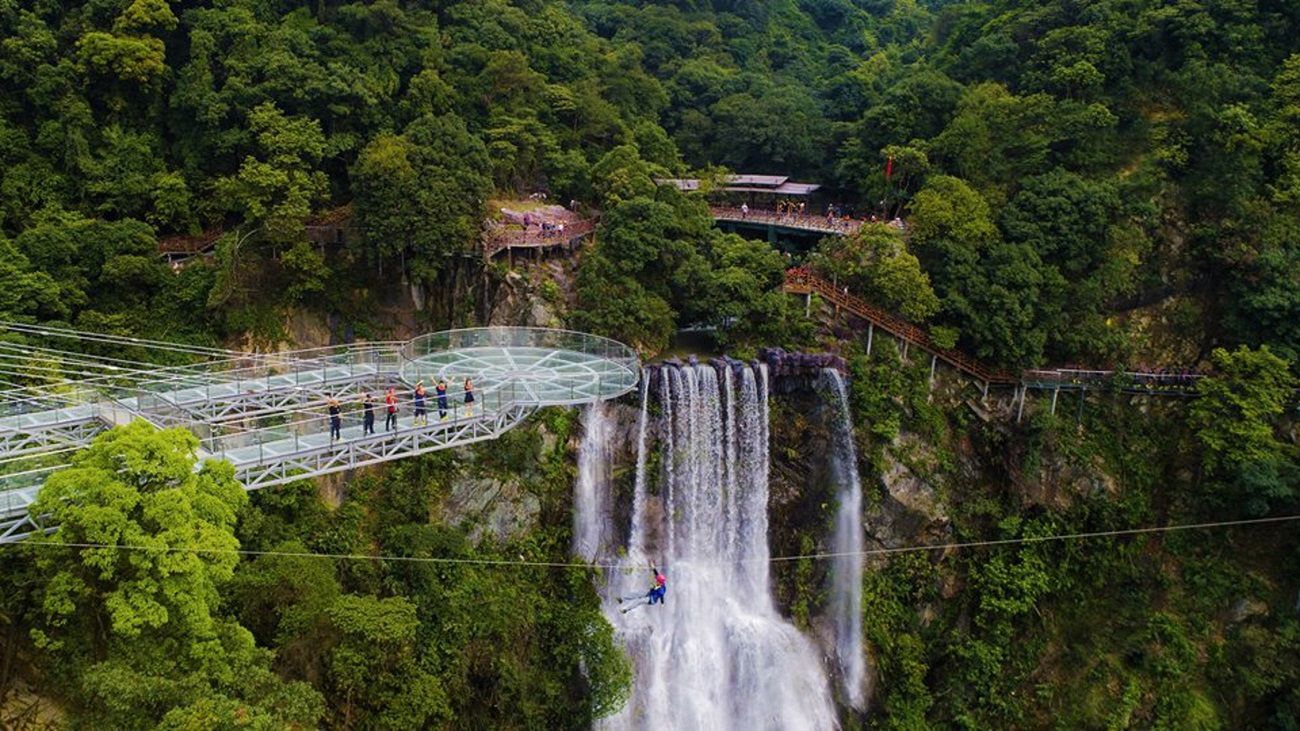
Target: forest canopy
x,y
1097,182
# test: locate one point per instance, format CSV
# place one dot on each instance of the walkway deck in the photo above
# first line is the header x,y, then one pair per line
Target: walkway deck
x,y
790,222
533,238
803,281
270,419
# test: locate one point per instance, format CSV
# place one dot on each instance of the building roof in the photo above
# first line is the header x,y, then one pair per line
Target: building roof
x,y
764,181
775,184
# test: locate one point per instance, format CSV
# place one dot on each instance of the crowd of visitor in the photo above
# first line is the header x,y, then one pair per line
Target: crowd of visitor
x,y
392,405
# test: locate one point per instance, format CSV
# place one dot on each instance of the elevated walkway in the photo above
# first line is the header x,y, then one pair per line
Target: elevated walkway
x,y
776,223
802,281
268,415
496,241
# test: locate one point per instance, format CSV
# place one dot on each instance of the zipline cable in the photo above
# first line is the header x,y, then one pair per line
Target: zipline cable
x,y
574,564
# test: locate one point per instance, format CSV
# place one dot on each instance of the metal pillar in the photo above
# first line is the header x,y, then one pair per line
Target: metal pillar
x,y
807,304
934,360
1020,412
1055,392
871,331
984,394
905,344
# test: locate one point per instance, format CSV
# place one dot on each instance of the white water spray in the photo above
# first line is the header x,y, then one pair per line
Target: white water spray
x,y
637,535
846,572
591,494
717,654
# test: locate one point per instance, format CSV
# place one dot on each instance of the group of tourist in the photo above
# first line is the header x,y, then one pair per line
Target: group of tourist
x,y
836,216
549,228
391,405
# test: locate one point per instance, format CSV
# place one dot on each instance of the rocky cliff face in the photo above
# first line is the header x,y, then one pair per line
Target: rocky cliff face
x,y
535,294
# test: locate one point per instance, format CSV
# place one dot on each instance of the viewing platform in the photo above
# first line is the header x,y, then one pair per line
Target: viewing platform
x,y
534,225
786,222
269,414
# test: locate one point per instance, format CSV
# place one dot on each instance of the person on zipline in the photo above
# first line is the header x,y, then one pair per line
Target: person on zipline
x,y
654,596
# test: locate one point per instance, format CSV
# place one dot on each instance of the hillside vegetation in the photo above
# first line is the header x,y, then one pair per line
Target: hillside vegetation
x,y
1098,182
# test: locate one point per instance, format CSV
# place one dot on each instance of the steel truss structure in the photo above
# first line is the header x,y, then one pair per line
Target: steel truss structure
x,y
269,414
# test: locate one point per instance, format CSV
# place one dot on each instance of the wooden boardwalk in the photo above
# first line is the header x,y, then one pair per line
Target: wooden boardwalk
x,y
802,281
499,240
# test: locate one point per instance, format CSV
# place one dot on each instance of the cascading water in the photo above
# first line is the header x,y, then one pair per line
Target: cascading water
x,y
846,572
637,535
716,655
591,493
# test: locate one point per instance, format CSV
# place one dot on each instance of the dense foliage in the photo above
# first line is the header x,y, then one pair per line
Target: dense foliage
x,y
181,631
1081,181
1058,162
1188,629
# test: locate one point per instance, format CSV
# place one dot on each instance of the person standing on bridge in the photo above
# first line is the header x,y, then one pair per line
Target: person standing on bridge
x,y
744,210
390,399
367,414
421,415
469,398
441,388
336,420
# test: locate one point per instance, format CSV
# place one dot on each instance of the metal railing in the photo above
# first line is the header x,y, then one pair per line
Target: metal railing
x,y
824,224
282,433
499,239
801,280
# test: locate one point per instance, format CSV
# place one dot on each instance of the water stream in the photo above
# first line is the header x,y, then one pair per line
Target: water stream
x,y
717,654
591,494
846,571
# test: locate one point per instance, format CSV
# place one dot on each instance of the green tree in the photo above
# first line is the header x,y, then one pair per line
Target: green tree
x,y
1235,421
372,665
421,197
131,622
875,263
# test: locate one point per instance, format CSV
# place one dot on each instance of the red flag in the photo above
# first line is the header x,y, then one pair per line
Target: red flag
x,y
889,167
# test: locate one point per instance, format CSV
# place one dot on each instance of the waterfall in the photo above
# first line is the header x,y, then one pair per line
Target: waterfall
x,y
591,493
717,654
846,572
636,540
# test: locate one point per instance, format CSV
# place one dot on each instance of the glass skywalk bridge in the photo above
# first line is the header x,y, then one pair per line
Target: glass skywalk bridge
x,y
268,414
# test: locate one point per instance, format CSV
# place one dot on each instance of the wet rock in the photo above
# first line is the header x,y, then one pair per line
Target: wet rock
x,y
1058,483
496,508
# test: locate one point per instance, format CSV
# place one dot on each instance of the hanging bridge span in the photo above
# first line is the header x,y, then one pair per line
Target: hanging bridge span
x,y
268,414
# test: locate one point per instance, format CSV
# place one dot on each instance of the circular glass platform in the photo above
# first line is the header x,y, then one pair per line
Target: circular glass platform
x,y
523,365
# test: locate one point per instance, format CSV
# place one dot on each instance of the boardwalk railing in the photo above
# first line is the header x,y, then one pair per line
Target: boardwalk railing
x,y
844,226
187,246
802,281
496,241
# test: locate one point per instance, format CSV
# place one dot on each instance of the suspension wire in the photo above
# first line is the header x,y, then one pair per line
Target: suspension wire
x,y
36,350
582,565
106,338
